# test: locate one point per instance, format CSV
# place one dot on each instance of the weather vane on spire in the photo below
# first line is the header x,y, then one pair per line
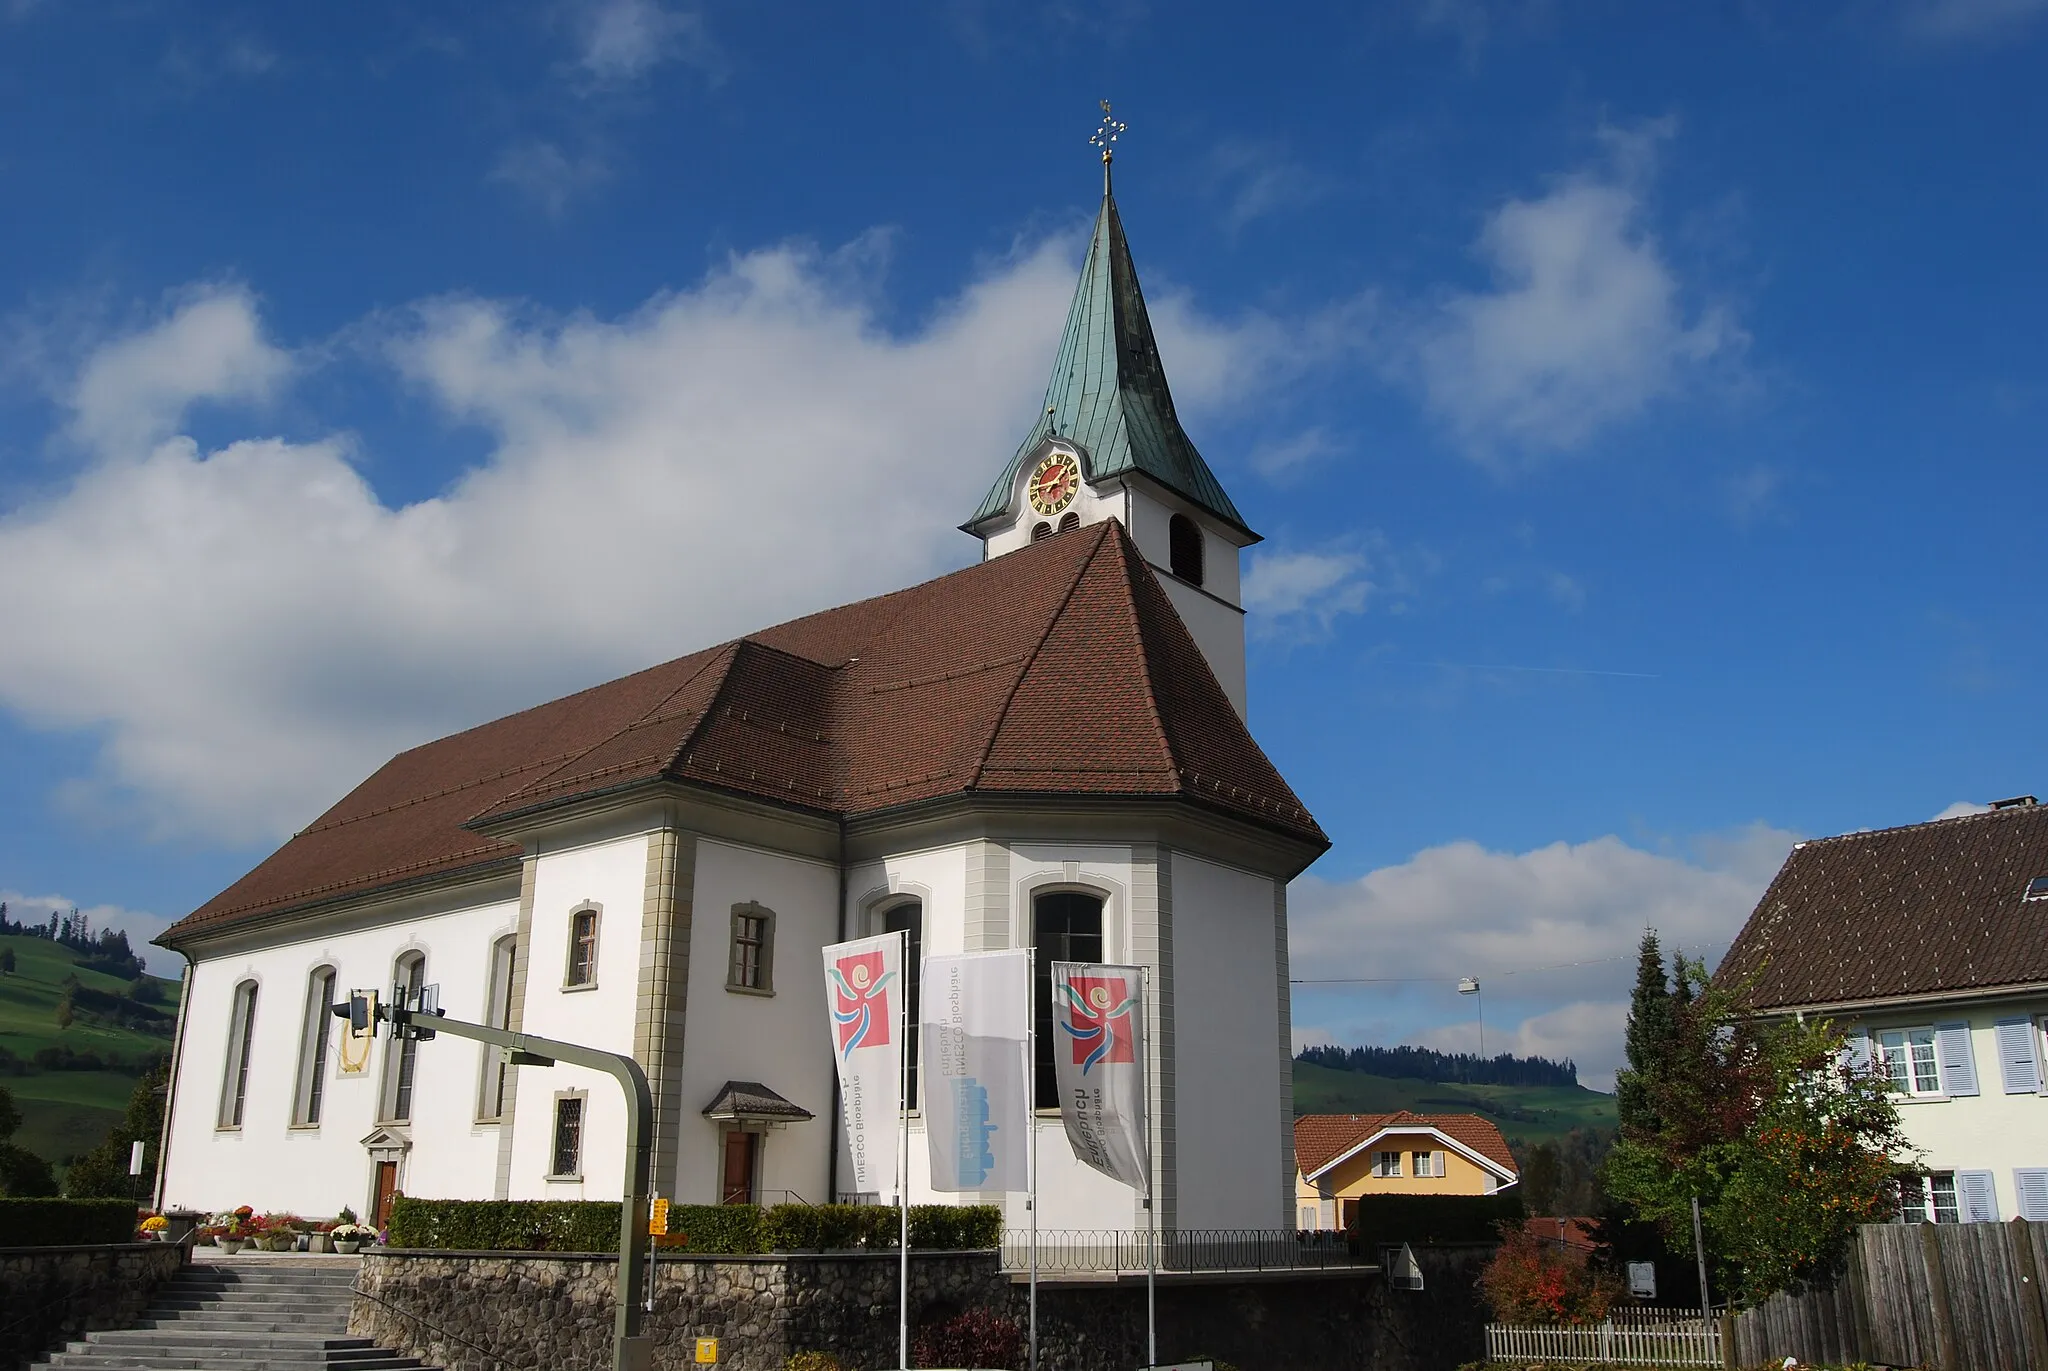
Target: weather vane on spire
x,y
1105,138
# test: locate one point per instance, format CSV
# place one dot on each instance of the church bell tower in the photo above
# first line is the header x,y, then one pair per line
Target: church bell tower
x,y
1107,444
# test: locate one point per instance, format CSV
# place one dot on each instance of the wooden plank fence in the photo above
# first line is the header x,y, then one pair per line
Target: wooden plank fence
x,y
1961,1297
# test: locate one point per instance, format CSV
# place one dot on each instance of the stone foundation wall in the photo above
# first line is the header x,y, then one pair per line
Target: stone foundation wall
x,y
554,1313
49,1295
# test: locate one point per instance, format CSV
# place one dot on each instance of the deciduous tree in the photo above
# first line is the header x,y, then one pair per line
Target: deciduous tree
x,y
1786,1146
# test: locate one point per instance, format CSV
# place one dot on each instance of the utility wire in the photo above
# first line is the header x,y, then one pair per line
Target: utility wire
x,y
1425,980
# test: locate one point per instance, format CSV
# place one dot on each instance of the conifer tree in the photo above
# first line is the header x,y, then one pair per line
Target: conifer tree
x,y
1652,1027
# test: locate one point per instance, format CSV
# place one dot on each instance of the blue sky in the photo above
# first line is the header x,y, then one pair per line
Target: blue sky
x,y
1643,405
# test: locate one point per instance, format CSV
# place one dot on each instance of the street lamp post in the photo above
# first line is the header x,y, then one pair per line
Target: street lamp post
x,y
1470,986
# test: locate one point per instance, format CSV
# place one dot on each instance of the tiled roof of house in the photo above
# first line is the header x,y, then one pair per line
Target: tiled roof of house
x,y
1059,669
1321,1138
1926,909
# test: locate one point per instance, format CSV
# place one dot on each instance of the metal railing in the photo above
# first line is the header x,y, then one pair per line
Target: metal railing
x,y
1670,1344
1181,1249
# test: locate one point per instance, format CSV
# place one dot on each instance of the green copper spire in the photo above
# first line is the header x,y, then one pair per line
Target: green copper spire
x,y
1108,391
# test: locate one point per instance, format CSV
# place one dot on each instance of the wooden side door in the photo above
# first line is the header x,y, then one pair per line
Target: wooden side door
x,y
740,1155
387,1186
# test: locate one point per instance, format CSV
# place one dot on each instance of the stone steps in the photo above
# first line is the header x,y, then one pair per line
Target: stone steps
x,y
241,1315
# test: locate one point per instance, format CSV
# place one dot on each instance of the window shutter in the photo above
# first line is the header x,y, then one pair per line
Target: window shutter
x,y
2032,1184
2016,1060
1978,1196
1438,1158
1958,1066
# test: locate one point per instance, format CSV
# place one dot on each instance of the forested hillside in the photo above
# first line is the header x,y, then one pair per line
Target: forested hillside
x,y
80,1023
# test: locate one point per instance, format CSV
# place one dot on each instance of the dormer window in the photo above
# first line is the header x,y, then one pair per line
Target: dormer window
x,y
1184,549
2037,889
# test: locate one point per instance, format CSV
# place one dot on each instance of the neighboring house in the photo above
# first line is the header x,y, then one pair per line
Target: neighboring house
x,y
1342,1157
1929,945
1045,750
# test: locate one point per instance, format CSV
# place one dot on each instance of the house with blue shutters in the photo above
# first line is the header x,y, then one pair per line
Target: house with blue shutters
x,y
1929,945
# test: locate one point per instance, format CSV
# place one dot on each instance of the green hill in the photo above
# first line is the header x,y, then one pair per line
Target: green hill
x,y
67,1112
1528,1113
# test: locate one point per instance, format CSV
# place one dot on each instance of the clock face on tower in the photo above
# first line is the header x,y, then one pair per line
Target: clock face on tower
x,y
1054,483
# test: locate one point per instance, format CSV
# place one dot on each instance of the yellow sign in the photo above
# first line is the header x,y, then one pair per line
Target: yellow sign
x,y
707,1351
657,1218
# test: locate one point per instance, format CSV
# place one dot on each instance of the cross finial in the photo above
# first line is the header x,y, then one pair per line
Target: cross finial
x,y
1105,138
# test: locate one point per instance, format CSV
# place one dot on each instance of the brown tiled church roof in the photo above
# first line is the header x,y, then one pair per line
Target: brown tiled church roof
x,y
1059,669
1927,909
1321,1138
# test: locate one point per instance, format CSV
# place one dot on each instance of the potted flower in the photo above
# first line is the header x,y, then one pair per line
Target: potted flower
x,y
349,1238
231,1229
317,1239
154,1227
279,1232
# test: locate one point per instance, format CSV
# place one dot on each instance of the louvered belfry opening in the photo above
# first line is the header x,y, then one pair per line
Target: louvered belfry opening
x,y
1184,549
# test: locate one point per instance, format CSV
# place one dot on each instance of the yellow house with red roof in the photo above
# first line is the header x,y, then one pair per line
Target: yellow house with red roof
x,y
1341,1157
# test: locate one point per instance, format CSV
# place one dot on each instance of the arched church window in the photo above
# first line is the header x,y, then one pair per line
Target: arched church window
x,y
1041,529
498,1014
234,1089
1184,548
402,1058
1069,520
908,917
1066,926
311,1086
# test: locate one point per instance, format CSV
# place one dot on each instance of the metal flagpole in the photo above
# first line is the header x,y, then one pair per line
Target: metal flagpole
x,y
1031,1155
903,1151
1151,1202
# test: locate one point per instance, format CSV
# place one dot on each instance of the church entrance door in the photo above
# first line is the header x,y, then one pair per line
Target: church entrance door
x,y
740,1157
387,1186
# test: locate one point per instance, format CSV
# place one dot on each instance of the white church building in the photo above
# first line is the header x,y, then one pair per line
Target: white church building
x,y
1046,749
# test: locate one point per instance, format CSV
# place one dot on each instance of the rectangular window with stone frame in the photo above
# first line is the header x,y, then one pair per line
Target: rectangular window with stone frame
x,y
567,1157
581,967
752,969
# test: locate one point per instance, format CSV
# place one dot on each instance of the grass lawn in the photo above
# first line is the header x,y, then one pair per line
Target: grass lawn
x,y
65,1113
1533,1113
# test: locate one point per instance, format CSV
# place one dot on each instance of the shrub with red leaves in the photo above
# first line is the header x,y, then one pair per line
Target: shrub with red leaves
x,y
978,1338
1530,1281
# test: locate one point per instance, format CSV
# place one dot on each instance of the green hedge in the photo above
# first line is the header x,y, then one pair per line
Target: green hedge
x,y
718,1229
1387,1220
505,1225
65,1223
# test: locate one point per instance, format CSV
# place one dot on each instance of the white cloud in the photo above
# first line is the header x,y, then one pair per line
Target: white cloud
x,y
139,925
209,347
1301,595
1508,917
550,177
1283,458
1260,178
1967,19
621,41
249,630
1962,807
1583,327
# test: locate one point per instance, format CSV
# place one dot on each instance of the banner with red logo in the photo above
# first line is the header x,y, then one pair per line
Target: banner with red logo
x,y
973,1053
864,995
1098,1028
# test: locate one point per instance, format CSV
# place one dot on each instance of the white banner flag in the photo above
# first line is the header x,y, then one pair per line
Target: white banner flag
x,y
1098,1053
976,1032
864,993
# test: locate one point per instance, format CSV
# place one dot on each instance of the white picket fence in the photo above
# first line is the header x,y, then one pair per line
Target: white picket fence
x,y
1691,1343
